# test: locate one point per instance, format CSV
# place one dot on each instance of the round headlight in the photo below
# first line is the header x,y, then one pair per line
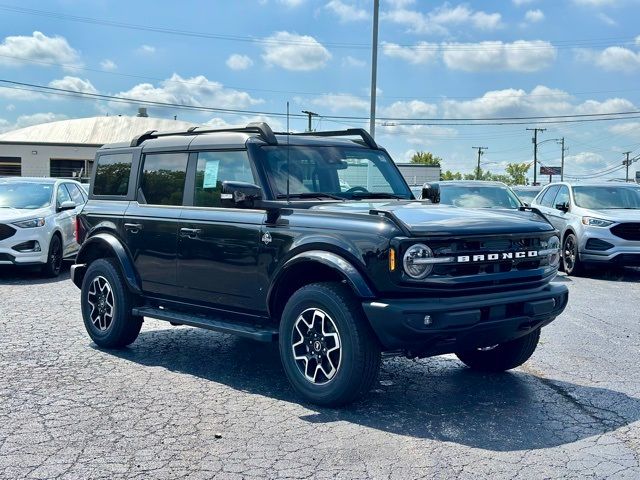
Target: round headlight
x,y
413,261
554,249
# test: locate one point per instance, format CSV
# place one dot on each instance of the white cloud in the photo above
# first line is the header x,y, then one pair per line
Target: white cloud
x,y
347,12
27,120
437,20
146,49
519,3
613,59
595,3
606,19
519,56
37,49
420,53
222,122
341,101
73,83
534,16
350,61
108,65
628,129
196,90
409,109
10,108
295,52
239,62
291,3
419,135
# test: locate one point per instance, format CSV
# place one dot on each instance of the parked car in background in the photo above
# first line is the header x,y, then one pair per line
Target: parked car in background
x,y
526,193
37,221
599,223
471,194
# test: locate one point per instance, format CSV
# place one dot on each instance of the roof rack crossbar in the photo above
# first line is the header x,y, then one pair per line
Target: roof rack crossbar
x,y
360,132
260,128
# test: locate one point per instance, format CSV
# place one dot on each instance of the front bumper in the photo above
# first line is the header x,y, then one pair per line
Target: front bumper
x,y
13,250
622,252
460,323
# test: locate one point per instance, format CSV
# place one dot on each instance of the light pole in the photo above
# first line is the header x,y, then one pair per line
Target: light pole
x,y
480,153
374,68
536,156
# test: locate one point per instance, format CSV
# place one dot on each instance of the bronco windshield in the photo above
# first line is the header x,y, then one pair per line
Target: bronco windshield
x,y
334,172
599,197
477,196
28,195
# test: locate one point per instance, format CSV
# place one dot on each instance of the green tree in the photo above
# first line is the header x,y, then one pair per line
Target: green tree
x,y
517,173
426,158
449,175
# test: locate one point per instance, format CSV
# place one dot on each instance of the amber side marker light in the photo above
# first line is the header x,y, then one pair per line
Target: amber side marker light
x,y
392,260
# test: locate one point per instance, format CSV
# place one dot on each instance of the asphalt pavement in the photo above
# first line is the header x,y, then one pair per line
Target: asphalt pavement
x,y
188,403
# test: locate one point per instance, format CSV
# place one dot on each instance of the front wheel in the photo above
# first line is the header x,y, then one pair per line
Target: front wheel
x,y
53,266
570,256
106,306
328,350
501,357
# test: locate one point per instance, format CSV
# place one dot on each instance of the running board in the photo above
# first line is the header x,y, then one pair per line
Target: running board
x,y
259,333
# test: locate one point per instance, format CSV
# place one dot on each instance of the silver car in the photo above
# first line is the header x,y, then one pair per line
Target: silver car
x,y
599,223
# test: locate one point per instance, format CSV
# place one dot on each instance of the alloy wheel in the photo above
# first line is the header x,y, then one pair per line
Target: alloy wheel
x,y
570,253
101,300
316,345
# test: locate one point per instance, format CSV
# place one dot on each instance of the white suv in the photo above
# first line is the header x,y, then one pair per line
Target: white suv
x,y
37,221
599,223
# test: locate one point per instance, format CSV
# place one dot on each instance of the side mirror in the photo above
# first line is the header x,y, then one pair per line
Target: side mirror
x,y
563,207
239,194
67,205
431,193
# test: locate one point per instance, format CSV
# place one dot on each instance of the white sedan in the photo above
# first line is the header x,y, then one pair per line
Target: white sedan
x,y
37,221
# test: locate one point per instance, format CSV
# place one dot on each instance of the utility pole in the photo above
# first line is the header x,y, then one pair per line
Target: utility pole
x,y
562,161
535,152
309,114
627,162
374,69
480,153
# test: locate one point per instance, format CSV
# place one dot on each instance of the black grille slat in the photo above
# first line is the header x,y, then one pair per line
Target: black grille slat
x,y
6,231
627,231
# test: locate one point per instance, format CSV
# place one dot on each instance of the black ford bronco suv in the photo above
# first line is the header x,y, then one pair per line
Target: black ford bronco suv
x,y
315,241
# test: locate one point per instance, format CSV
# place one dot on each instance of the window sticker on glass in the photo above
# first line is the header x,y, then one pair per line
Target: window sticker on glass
x,y
211,174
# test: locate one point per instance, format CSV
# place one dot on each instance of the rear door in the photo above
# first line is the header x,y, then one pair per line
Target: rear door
x,y
65,220
219,246
151,221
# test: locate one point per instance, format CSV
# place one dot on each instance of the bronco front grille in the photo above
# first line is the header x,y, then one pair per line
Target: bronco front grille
x,y
627,231
6,231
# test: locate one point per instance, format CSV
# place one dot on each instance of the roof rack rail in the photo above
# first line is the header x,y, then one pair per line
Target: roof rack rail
x,y
360,132
261,128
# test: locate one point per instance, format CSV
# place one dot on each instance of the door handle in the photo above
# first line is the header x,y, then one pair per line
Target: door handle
x,y
190,232
133,227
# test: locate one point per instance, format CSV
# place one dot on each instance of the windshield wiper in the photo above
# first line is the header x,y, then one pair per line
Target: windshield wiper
x,y
310,195
376,195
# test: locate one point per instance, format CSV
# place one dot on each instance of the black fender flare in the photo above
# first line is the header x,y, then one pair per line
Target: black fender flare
x,y
104,240
332,260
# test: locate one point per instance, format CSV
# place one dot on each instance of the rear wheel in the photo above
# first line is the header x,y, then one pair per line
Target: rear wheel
x,y
54,258
570,257
501,357
106,306
329,353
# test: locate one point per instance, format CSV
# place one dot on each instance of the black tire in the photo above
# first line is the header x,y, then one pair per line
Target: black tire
x,y
120,328
571,263
503,357
355,365
53,266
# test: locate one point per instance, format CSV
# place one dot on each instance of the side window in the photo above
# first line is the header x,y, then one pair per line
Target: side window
x,y
550,194
112,174
216,167
163,176
563,196
62,196
75,193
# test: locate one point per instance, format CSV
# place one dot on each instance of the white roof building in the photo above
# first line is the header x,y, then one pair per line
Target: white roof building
x,y
66,148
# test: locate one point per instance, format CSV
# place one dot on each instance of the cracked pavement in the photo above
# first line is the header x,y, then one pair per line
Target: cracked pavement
x,y
188,403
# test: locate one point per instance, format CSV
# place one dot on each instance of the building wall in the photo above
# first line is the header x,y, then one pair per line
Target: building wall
x,y
36,159
416,174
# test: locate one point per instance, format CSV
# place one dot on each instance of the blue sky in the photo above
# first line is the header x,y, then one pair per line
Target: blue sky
x,y
436,60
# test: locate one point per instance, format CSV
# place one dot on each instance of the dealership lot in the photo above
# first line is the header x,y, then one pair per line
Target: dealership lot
x,y
183,402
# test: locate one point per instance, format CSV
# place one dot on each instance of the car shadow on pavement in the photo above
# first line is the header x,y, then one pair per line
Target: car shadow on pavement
x,y
12,275
617,274
435,398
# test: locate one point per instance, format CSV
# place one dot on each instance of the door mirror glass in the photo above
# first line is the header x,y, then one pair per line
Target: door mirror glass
x,y
67,205
240,194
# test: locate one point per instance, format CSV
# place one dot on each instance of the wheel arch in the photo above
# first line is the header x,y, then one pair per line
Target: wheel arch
x,y
106,245
310,267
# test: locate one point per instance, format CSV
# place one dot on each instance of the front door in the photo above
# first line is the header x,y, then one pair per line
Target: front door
x,y
218,247
151,222
557,217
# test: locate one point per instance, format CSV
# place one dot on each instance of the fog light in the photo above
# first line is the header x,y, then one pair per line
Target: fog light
x,y
27,247
428,320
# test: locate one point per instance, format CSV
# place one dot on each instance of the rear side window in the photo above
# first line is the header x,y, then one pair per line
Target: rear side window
x,y
163,178
112,174
549,195
215,168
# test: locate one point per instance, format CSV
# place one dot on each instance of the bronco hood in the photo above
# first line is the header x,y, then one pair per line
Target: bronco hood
x,y
420,219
